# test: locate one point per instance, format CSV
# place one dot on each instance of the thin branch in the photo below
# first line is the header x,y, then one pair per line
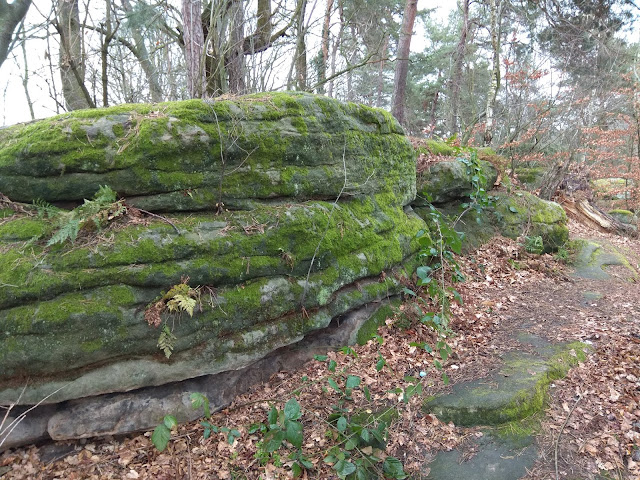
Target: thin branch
x,y
555,455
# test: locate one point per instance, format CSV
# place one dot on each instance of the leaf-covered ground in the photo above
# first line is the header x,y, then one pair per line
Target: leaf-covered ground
x,y
592,424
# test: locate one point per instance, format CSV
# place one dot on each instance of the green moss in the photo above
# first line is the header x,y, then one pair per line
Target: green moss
x,y
24,228
91,345
522,212
520,393
370,327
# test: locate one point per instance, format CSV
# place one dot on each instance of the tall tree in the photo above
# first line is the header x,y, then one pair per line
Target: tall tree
x,y
11,14
72,66
455,80
193,46
495,15
402,61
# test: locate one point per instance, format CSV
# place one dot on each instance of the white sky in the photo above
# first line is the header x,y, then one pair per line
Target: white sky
x,y
13,103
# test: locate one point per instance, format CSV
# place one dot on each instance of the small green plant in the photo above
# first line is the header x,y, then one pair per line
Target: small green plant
x,y
356,435
91,215
283,426
162,433
180,298
534,245
479,199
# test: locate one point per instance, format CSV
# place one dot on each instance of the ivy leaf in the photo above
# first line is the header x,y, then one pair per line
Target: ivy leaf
x,y
393,468
332,383
342,424
273,440
292,410
351,443
273,417
293,433
352,381
344,468
380,363
160,437
170,422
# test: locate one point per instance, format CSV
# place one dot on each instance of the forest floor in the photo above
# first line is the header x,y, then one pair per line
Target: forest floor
x,y
590,429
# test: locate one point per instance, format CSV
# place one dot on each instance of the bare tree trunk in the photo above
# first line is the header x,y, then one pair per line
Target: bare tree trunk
x,y
456,74
324,45
142,54
495,7
109,33
301,49
381,79
235,56
193,46
336,45
402,65
11,14
25,77
76,95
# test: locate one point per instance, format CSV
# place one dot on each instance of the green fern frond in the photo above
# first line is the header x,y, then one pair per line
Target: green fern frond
x,y
186,303
166,341
67,231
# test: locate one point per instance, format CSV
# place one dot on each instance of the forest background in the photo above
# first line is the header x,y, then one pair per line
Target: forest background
x,y
552,82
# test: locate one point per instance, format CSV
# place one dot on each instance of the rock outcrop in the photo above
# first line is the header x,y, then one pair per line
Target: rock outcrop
x,y
285,221
287,211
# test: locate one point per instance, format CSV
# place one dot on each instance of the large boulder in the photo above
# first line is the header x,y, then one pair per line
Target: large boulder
x,y
287,210
192,155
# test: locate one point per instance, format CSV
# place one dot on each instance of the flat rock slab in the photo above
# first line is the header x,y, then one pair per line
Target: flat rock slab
x,y
594,259
515,391
493,460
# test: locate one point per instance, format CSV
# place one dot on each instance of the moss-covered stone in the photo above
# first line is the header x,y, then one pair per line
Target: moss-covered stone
x,y
592,260
192,155
625,216
516,391
451,180
522,213
530,176
76,312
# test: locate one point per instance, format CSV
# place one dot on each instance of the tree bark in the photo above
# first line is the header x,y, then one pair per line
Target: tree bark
x,y
235,56
456,73
402,62
11,14
324,47
495,7
142,54
193,46
301,49
72,71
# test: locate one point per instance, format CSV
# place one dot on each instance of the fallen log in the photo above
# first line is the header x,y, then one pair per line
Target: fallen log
x,y
582,210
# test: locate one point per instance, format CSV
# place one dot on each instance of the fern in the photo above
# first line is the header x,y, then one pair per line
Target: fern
x,y
165,341
182,302
91,214
45,209
68,231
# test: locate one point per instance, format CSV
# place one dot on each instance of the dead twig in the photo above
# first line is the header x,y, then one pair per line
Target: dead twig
x,y
555,453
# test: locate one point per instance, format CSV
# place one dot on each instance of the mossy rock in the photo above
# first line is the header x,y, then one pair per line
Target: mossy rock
x,y
522,213
75,313
193,155
516,391
624,216
530,176
592,260
450,180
